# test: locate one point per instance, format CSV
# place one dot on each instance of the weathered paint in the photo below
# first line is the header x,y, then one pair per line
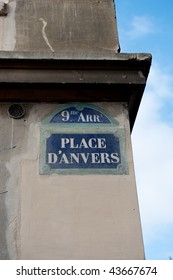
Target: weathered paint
x,y
59,25
12,151
8,29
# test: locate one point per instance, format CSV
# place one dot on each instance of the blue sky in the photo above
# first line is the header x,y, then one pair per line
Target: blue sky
x,y
147,26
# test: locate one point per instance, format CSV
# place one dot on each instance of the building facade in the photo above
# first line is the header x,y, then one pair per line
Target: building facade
x,y
68,102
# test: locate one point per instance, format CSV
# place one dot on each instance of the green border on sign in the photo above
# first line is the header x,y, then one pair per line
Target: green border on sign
x,y
80,106
47,128
46,133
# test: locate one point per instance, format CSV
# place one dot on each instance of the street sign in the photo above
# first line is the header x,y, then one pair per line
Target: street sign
x,y
82,151
82,139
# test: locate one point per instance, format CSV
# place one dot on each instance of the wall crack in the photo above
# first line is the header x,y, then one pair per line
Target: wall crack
x,y
4,192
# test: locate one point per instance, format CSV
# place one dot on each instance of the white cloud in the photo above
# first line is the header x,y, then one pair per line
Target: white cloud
x,y
153,153
140,26
160,82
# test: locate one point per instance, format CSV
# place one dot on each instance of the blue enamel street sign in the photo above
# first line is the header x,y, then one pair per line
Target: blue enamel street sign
x,y
82,139
82,151
79,115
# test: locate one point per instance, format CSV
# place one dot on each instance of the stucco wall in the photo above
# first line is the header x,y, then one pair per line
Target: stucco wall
x,y
63,216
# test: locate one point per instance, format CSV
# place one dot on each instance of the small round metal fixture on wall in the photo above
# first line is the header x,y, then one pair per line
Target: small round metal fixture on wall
x,y
16,111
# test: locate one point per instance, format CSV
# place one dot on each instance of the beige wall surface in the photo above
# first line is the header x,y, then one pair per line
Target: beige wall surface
x,y
63,216
59,26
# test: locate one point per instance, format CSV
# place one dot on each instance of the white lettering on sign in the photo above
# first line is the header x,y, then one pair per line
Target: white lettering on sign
x,y
82,118
89,118
52,158
65,116
72,158
92,143
79,150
